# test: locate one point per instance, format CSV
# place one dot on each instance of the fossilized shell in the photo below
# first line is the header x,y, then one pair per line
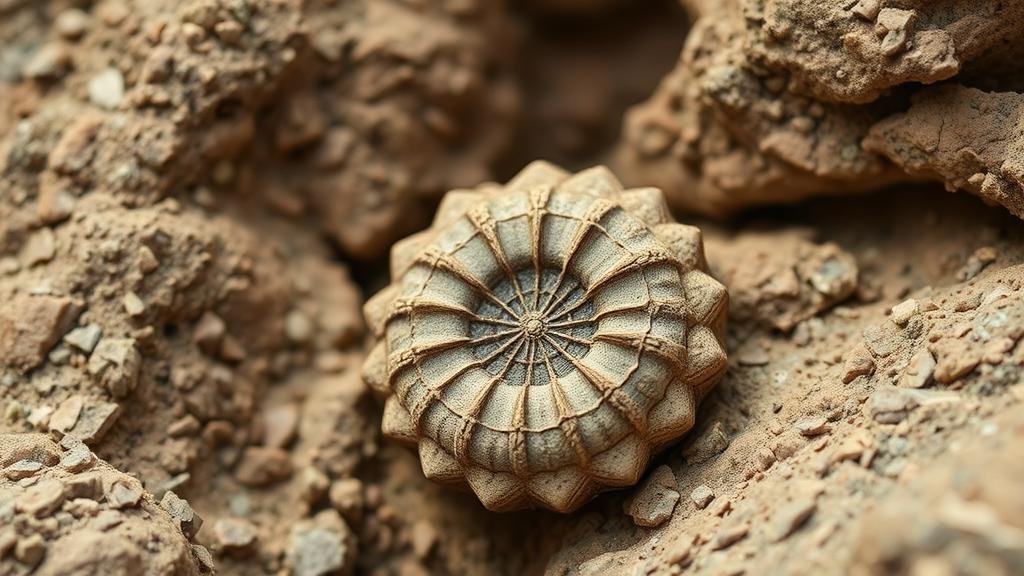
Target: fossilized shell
x,y
542,339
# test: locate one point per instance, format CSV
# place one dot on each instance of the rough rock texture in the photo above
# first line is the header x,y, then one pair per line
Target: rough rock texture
x,y
375,105
964,137
65,512
771,100
174,290
543,339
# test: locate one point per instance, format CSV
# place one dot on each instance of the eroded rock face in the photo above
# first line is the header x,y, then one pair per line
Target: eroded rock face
x,y
966,138
542,339
771,100
64,511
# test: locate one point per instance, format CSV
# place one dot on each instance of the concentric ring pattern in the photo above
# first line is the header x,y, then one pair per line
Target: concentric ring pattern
x,y
541,340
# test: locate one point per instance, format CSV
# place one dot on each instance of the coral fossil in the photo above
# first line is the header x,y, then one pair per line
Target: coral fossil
x,y
541,340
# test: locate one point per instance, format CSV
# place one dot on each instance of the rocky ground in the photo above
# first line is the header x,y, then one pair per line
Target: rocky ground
x,y
196,198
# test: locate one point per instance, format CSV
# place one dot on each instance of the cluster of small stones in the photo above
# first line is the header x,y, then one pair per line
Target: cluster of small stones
x,y
543,339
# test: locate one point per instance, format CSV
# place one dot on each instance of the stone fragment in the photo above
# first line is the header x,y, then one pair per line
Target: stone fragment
x,y
424,537
656,499
919,370
858,364
209,333
30,326
123,494
88,485
116,363
709,444
203,557
279,425
133,304
108,519
262,466
320,547
904,311
184,516
346,496
71,23
42,498
812,426
22,469
234,535
30,550
897,25
729,534
85,337
106,88
93,422
867,9
702,496
54,205
790,518
78,459
66,416
51,61
298,327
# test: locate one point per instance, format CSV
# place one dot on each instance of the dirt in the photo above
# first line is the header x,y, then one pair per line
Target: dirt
x,y
196,198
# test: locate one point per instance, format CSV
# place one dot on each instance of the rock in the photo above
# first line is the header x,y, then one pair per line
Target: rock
x,y
423,536
49,62
85,337
729,535
262,466
209,333
31,550
898,25
78,459
681,552
93,420
892,405
656,499
71,23
42,498
812,426
108,519
790,517
298,327
54,205
709,444
67,414
904,311
22,469
702,496
346,496
279,425
30,326
321,547
188,521
234,535
123,494
116,362
858,364
133,305
919,370
88,486
106,88
203,557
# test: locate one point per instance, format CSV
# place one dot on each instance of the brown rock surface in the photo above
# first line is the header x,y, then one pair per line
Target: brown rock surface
x,y
72,522
198,178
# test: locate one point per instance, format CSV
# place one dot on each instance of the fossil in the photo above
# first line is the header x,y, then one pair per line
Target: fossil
x,y
542,339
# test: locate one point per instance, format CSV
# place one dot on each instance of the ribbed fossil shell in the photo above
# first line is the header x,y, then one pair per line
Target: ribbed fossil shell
x,y
541,340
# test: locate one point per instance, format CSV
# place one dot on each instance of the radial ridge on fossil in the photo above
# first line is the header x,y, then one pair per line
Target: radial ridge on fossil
x,y
542,339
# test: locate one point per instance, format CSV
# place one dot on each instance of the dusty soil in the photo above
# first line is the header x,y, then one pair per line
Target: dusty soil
x,y
197,197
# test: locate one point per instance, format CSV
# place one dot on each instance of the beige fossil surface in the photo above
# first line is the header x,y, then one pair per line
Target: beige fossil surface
x,y
544,338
